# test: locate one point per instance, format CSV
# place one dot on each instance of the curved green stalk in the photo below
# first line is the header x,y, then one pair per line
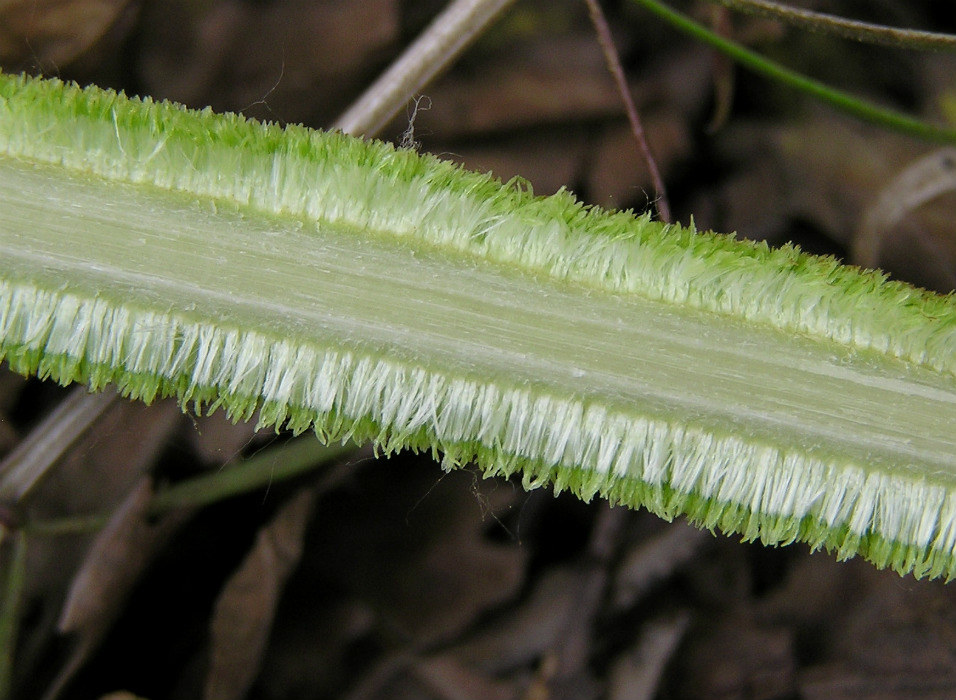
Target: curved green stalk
x,y
259,471
836,98
372,293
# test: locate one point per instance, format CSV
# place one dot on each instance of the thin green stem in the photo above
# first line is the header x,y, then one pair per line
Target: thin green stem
x,y
267,467
270,466
77,525
836,98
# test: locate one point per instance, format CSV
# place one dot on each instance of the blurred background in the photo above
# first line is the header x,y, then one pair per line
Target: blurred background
x,y
375,577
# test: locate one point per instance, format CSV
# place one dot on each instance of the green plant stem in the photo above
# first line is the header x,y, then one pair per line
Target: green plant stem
x,y
77,525
267,467
370,293
270,466
855,106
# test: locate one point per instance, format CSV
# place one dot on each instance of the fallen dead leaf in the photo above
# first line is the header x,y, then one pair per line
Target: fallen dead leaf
x,y
517,88
218,440
33,458
92,479
451,680
417,552
838,681
892,227
309,656
120,554
245,609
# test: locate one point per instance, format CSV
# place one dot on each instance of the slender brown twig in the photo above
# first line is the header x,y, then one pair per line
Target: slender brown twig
x,y
846,28
614,65
451,32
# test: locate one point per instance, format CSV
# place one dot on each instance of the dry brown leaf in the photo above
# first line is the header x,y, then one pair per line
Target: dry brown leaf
x,y
415,549
120,554
919,252
308,656
435,677
52,33
816,594
92,479
245,609
573,674
817,176
34,457
873,634
217,440
906,630
618,176
838,681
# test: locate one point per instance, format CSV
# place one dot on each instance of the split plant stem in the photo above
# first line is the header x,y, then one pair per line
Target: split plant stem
x,y
371,293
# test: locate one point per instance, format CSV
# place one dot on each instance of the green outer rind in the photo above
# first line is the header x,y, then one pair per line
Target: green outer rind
x,y
329,177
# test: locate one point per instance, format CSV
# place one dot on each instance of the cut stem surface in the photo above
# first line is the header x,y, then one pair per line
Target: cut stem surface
x,y
370,293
